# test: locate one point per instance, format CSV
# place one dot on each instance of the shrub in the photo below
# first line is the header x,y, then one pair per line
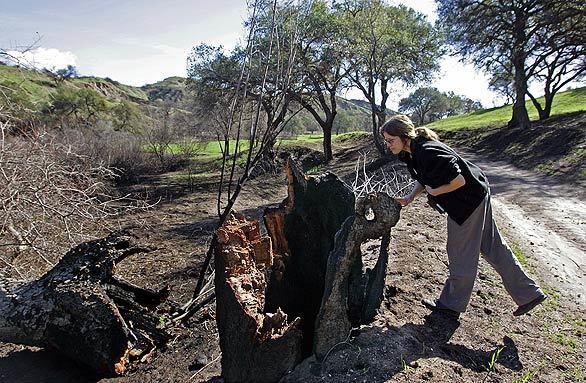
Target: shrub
x,y
52,199
119,151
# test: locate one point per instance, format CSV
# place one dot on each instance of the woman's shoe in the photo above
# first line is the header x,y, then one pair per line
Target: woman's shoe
x,y
524,309
437,306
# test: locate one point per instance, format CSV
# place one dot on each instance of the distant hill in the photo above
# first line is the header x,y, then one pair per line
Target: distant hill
x,y
36,87
366,106
169,89
37,90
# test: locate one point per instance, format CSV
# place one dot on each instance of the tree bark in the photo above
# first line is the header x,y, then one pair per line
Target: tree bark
x,y
328,142
520,116
543,115
545,110
299,290
343,308
79,309
378,141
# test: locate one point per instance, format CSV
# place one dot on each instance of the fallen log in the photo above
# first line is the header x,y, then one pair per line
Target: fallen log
x,y
81,310
299,290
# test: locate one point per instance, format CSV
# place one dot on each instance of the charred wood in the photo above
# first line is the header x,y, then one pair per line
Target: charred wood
x,y
299,290
79,309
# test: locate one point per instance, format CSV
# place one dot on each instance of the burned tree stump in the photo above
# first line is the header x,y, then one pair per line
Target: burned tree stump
x,y
351,298
79,309
298,291
303,229
256,347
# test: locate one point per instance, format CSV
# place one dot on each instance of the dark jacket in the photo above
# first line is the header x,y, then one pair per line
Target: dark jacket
x,y
434,163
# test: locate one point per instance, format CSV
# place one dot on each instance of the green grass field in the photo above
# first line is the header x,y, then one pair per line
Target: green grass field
x,y
211,149
202,149
565,102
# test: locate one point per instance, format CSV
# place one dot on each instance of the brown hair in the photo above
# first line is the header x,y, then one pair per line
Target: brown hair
x,y
401,125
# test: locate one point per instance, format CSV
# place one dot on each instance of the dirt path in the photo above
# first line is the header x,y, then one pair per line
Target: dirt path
x,y
547,220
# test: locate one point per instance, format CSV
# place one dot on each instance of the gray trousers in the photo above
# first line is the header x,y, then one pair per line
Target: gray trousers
x,y
479,234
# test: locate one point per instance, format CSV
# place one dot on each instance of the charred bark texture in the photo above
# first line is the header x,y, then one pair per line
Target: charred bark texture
x,y
301,289
79,309
352,297
307,220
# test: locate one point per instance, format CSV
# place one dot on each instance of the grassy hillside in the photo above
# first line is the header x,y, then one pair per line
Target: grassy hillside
x,y
366,106
37,91
554,146
36,88
565,102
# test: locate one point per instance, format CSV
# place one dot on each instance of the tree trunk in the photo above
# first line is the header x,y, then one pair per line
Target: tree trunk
x,y
328,142
520,116
330,117
536,104
382,109
546,112
381,116
299,290
79,309
351,296
256,347
378,141
325,124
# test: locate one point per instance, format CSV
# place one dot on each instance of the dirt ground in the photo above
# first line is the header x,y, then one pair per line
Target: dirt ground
x,y
405,343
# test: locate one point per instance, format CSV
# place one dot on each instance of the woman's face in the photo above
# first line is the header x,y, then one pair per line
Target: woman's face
x,y
394,143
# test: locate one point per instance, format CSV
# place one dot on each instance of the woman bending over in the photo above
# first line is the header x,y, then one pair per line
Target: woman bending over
x,y
459,188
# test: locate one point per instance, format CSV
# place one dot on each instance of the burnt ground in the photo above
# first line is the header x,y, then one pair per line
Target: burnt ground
x,y
405,343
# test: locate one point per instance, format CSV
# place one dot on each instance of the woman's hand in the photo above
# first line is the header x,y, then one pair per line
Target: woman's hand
x,y
431,191
404,201
417,189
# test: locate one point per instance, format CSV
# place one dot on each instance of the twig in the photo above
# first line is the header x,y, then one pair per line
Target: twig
x,y
379,181
345,341
194,308
206,366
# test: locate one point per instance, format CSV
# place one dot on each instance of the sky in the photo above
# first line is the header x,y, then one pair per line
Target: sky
x,y
140,42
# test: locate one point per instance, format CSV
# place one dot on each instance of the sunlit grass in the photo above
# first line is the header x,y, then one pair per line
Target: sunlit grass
x,y
566,102
522,258
213,149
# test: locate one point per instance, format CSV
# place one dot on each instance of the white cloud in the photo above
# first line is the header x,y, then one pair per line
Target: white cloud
x,y
42,58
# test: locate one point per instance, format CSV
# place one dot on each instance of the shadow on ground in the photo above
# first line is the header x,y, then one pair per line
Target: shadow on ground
x,y
385,351
43,366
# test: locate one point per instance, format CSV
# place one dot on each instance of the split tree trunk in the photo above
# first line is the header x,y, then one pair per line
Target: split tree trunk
x,y
300,290
79,309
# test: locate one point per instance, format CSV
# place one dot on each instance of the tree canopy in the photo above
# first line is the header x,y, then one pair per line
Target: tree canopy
x,y
518,40
390,46
428,104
